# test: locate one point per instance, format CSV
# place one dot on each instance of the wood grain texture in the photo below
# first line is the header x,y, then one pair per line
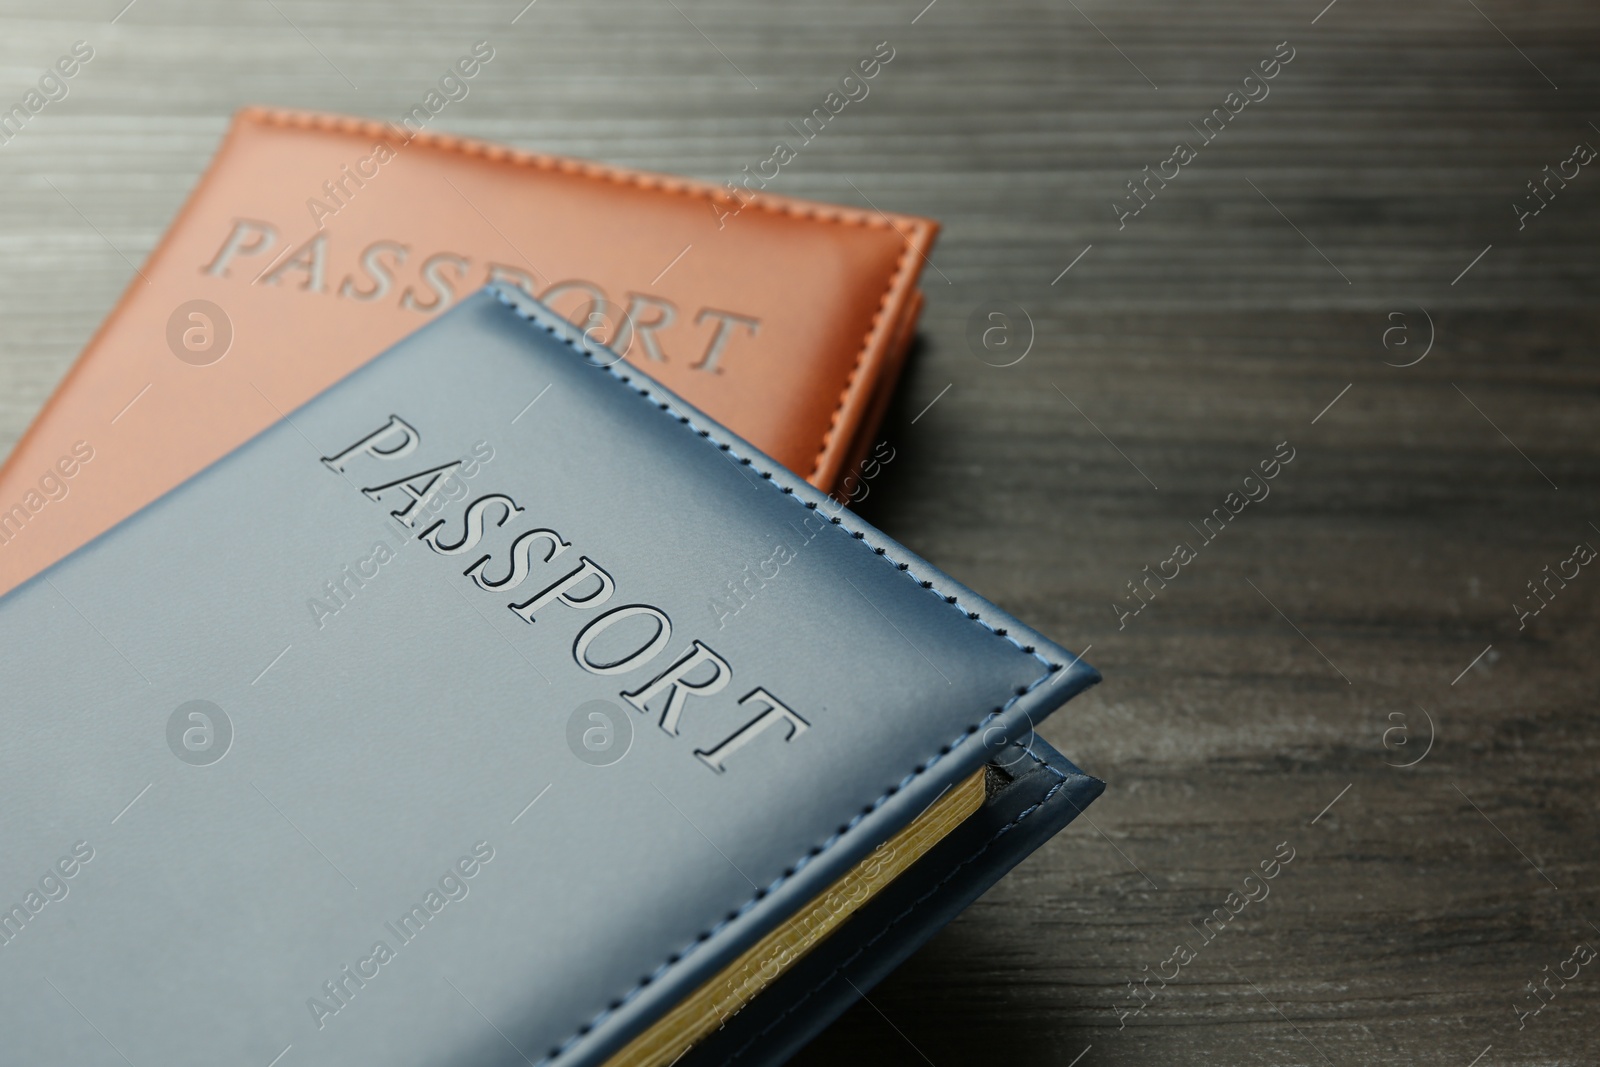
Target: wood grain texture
x,y
1251,291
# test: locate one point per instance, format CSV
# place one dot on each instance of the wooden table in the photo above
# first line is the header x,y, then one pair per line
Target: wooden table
x,y
1270,291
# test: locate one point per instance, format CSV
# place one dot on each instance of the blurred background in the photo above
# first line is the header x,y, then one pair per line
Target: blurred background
x,y
1380,260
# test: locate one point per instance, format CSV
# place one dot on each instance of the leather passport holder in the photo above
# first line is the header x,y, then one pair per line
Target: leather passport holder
x,y
417,730
314,242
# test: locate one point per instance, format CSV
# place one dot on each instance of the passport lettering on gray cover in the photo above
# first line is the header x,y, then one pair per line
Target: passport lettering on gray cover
x,y
407,734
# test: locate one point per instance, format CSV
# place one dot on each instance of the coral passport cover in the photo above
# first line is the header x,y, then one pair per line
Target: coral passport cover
x,y
307,249
330,795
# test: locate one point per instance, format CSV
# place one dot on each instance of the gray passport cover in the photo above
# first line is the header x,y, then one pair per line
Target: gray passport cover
x,y
292,770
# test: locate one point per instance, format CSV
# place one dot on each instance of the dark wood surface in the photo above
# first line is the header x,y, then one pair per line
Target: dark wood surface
x,y
1257,687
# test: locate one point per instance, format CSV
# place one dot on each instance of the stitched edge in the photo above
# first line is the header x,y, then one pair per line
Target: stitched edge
x,y
913,906
866,346
597,356
899,277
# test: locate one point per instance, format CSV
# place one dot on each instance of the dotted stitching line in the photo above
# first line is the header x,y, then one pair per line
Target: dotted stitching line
x,y
563,334
844,394
650,183
913,906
